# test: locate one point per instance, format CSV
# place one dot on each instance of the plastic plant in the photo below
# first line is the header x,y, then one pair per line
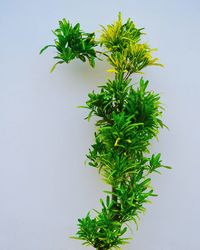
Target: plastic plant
x,y
129,117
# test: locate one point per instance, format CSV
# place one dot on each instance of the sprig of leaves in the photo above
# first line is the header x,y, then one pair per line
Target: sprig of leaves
x,y
133,59
117,36
71,42
126,53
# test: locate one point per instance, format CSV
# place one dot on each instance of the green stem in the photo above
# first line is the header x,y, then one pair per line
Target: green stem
x,y
114,197
102,53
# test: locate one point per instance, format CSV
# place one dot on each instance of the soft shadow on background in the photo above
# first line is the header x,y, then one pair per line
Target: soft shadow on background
x,y
44,184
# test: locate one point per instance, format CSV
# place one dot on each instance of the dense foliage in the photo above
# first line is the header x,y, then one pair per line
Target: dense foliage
x,y
129,117
72,43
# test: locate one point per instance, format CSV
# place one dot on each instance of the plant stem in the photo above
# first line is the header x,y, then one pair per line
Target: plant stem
x,y
114,197
102,53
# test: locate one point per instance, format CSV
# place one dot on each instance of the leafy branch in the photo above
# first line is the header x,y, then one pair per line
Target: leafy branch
x,y
71,43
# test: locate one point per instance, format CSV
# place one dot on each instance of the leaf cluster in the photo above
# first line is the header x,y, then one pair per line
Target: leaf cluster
x,y
102,232
124,131
138,105
127,54
71,42
117,36
133,59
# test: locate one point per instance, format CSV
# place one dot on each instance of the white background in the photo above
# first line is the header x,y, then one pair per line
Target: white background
x,y
44,184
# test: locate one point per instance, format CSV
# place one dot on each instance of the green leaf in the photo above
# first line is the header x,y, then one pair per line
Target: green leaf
x,y
45,47
91,61
54,66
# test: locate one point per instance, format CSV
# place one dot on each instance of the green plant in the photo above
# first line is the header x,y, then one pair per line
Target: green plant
x,y
129,117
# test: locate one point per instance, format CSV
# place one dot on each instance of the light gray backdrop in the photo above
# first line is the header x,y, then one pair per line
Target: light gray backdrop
x,y
44,185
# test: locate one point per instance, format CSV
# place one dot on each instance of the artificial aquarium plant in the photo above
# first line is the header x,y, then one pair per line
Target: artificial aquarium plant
x,y
129,117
